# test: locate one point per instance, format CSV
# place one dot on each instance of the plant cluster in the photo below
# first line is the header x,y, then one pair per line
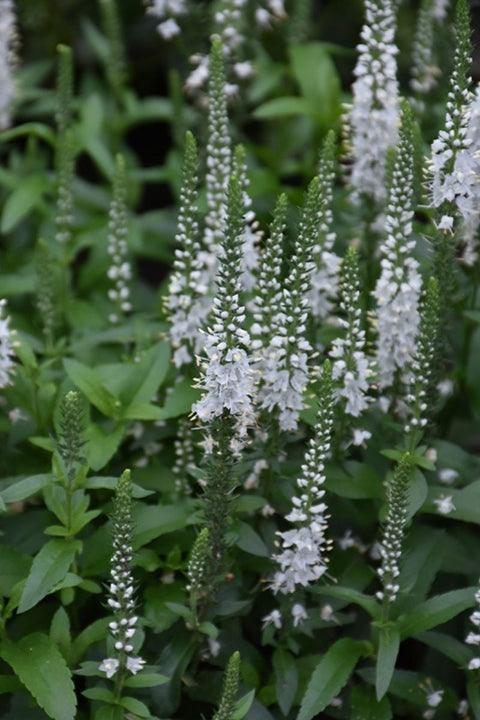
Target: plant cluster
x,y
239,382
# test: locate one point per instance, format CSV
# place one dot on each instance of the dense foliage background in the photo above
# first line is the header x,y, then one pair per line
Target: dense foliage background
x,y
89,398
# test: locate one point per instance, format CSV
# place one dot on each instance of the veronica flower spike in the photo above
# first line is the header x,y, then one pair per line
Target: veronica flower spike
x,y
303,559
121,589
227,376
188,302
373,117
120,270
284,372
351,369
8,35
324,279
397,291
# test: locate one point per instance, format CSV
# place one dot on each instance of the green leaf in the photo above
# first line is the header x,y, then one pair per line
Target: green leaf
x,y
286,679
15,567
243,705
364,704
87,380
146,376
330,676
388,646
145,679
102,445
456,650
151,521
435,611
49,567
60,632
282,107
417,492
110,483
367,602
179,401
25,488
135,706
99,693
473,694
249,541
44,672
110,712
318,79
208,628
22,200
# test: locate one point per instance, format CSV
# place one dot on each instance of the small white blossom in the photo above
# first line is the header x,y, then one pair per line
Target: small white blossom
x,y
274,618
135,664
7,60
444,504
299,614
109,666
447,476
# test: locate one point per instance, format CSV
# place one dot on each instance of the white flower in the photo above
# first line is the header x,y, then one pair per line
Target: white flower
x,y
474,663
135,664
447,476
446,223
109,666
299,614
274,618
359,436
434,698
444,504
6,349
168,29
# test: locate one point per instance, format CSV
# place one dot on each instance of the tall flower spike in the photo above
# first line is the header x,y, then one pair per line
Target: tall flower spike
x,y
351,368
219,153
251,235
374,115
120,270
71,428
425,71
227,378
45,290
394,531
471,223
65,174
8,60
303,557
397,291
268,296
116,66
188,303
324,283
425,363
7,354
452,174
121,592
230,689
184,458
284,367
473,637
64,87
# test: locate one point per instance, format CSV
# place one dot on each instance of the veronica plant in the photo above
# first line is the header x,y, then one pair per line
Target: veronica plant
x,y
351,370
373,118
120,270
121,592
303,557
8,60
397,291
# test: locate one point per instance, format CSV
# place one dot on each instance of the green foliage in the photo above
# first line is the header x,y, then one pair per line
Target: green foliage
x,y
106,108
